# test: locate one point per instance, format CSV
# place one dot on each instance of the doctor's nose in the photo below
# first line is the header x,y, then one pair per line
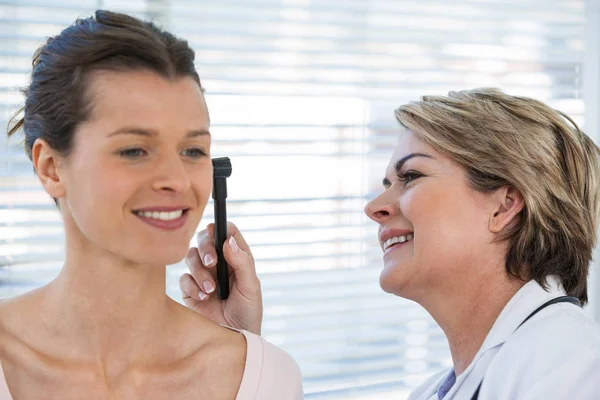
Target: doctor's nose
x,y
380,208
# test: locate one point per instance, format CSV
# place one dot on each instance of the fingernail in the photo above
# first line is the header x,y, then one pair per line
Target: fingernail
x,y
202,295
233,245
208,286
208,259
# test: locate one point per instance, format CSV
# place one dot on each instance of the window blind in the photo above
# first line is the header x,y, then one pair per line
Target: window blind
x,y
301,95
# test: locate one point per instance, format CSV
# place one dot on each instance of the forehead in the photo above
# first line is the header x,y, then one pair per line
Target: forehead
x,y
409,143
146,97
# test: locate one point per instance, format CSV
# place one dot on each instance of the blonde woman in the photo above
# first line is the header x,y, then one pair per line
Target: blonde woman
x,y
118,131
488,220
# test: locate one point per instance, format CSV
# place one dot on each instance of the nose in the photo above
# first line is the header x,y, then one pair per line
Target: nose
x,y
380,208
171,175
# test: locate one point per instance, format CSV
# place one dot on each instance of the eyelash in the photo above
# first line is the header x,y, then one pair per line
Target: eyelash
x,y
409,176
200,153
128,153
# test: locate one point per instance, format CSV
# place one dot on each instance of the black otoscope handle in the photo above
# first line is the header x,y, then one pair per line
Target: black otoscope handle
x,y
220,190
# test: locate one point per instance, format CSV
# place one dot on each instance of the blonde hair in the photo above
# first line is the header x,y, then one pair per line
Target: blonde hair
x,y
507,140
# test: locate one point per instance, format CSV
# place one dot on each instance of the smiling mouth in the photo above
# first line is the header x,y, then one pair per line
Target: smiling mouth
x,y
393,241
161,215
165,220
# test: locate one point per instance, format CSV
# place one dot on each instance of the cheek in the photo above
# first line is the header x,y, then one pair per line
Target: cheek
x,y
449,227
202,182
105,182
95,189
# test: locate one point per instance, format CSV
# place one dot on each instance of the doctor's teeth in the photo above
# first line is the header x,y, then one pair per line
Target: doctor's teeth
x,y
162,215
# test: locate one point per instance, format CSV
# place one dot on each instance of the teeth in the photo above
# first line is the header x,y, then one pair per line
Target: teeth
x,y
397,239
162,215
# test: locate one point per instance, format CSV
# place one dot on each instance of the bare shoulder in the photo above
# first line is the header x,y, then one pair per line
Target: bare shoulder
x,y
204,335
15,310
209,357
4,311
216,348
12,311
226,346
17,317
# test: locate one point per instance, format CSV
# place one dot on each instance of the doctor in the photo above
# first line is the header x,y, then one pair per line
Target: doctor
x,y
488,220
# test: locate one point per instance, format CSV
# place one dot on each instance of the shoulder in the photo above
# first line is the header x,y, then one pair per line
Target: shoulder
x,y
3,328
13,313
201,354
219,347
193,336
270,372
554,351
559,331
19,336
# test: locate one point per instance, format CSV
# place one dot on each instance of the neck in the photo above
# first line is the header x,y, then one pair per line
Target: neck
x,y
106,307
467,317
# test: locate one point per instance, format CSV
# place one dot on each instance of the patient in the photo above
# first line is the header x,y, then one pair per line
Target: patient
x,y
117,128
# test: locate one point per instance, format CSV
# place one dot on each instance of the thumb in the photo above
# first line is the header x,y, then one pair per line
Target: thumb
x,y
242,264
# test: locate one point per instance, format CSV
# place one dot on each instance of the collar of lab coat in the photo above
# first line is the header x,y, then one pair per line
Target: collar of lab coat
x,y
521,305
524,302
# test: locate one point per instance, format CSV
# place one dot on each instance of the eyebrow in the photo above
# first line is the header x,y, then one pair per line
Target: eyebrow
x,y
152,132
398,165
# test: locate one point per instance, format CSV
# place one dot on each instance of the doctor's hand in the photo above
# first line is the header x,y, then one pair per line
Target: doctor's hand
x,y
243,309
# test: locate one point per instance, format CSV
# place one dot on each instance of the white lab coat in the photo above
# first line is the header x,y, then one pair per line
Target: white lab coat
x,y
555,355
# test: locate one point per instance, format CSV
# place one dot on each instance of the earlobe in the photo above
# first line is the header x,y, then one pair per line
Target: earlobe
x,y
508,204
45,163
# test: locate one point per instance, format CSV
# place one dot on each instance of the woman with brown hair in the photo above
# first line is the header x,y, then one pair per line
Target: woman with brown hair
x,y
488,219
117,128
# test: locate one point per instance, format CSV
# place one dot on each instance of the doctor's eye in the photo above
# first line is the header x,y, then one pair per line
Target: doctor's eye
x,y
409,176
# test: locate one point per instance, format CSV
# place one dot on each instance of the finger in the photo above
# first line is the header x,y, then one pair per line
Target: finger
x,y
203,278
242,264
191,303
237,254
189,289
206,246
233,230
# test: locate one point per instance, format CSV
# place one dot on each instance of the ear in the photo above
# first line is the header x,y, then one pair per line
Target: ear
x,y
507,204
46,165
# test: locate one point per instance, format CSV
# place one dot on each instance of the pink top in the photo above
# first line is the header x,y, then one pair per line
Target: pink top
x,y
269,374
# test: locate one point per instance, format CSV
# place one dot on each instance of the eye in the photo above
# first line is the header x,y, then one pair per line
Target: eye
x,y
194,152
132,153
409,176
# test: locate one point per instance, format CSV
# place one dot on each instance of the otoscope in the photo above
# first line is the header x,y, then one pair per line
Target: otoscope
x,y
221,171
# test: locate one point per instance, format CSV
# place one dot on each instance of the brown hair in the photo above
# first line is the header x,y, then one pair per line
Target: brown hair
x,y
57,99
506,140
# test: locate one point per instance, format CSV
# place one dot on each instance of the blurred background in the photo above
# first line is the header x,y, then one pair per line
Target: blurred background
x,y
301,95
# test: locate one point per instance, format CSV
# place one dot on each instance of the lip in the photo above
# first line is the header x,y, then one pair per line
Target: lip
x,y
161,224
162,208
387,233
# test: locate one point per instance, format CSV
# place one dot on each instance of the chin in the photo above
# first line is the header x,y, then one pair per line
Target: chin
x,y
394,280
387,281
